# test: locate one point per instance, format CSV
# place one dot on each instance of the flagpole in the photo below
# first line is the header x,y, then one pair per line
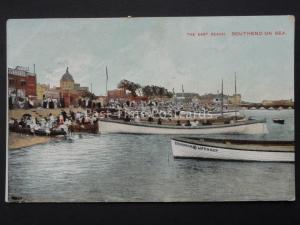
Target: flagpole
x,y
106,82
106,89
174,96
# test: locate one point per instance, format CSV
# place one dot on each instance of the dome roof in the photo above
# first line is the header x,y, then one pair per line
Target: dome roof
x,y
67,75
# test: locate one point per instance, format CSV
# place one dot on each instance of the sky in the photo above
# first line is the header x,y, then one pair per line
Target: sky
x,y
160,51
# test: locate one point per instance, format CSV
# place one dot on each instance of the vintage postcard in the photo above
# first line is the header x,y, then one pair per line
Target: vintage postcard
x,y
169,109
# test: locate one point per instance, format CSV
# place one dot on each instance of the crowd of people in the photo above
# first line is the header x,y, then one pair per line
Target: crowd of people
x,y
127,111
48,103
63,121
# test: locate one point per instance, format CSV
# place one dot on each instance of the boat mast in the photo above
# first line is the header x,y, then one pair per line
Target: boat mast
x,y
222,99
235,97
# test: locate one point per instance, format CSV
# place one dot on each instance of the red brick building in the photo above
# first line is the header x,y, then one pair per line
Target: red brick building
x,y
70,97
116,94
21,82
121,95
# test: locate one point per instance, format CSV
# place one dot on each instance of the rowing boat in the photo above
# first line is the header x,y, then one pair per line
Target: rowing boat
x,y
233,149
280,121
246,127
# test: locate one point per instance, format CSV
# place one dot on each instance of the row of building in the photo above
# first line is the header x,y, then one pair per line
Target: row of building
x,y
209,98
121,94
22,84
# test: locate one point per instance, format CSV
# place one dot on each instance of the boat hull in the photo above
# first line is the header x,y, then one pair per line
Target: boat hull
x,y
182,149
278,121
253,127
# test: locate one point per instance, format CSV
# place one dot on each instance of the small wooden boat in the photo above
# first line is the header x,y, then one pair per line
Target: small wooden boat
x,y
86,128
23,130
280,121
243,150
56,132
42,132
38,132
117,126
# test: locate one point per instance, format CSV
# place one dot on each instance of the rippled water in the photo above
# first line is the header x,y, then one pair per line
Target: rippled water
x,y
119,167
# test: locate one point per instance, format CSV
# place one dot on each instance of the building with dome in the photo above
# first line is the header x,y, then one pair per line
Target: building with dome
x,y
67,82
69,90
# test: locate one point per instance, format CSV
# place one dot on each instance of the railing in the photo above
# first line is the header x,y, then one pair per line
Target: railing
x,y
20,72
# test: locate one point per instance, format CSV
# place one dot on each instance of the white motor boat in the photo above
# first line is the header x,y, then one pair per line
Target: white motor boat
x,y
245,127
244,150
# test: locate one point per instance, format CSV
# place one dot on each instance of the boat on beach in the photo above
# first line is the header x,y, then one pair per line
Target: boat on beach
x,y
86,128
50,132
233,149
245,127
280,121
39,132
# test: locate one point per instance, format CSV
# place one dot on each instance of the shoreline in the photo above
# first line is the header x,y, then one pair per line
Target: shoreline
x,y
17,141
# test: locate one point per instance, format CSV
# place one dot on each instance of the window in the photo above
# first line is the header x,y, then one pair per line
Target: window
x,y
23,83
11,83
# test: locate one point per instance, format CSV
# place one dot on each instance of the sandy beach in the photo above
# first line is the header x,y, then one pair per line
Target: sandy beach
x,y
16,140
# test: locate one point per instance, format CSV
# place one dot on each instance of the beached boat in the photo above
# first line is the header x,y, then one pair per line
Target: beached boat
x,y
246,127
280,121
86,128
56,132
50,132
244,150
38,132
18,129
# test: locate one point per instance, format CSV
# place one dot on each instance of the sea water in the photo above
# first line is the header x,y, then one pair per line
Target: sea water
x,y
141,168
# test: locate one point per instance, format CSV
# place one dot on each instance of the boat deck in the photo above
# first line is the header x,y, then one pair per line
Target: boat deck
x,y
249,145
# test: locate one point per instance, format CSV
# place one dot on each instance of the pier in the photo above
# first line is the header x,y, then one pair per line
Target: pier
x,y
266,106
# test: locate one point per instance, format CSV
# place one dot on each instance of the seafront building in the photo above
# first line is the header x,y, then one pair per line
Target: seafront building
x,y
121,95
41,89
23,87
185,96
217,99
278,103
21,82
70,91
235,99
52,93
